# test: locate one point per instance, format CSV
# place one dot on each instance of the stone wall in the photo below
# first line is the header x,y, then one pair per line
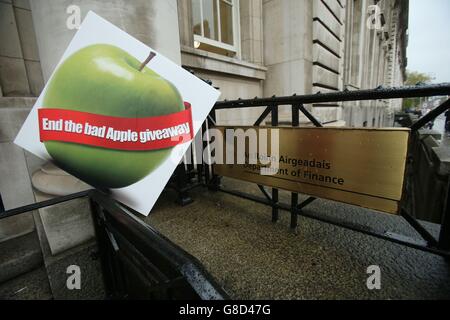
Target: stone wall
x,y
287,30
234,78
20,69
16,166
328,52
151,22
374,56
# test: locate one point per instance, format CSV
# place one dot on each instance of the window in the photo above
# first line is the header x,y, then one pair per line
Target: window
x,y
215,25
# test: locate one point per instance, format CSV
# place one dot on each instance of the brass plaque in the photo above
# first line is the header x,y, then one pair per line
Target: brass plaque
x,y
363,167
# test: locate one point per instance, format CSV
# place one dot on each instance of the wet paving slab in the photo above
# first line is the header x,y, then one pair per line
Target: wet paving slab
x,y
253,258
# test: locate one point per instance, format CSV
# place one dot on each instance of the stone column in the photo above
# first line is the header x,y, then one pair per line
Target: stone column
x,y
154,22
185,23
287,36
251,25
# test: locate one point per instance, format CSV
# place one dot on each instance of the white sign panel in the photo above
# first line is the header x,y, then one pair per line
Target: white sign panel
x,y
117,114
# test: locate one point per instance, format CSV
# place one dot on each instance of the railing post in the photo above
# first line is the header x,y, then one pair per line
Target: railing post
x,y
274,114
294,196
190,164
206,166
2,206
214,183
181,185
110,283
444,235
198,151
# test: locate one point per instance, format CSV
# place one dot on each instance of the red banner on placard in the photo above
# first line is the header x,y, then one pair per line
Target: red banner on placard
x,y
149,133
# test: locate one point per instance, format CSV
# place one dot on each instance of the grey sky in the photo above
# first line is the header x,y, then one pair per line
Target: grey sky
x,y
429,38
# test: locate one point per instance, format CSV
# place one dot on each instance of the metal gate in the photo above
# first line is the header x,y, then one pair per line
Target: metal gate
x,y
137,261
439,246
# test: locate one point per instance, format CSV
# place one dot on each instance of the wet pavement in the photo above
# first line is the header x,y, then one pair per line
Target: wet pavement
x,y
255,259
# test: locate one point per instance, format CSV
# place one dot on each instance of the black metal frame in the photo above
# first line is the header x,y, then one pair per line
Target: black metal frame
x,y
2,206
188,176
439,246
116,226
166,270
181,182
137,261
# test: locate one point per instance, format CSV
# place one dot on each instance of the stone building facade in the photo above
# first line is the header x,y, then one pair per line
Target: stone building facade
x,y
248,48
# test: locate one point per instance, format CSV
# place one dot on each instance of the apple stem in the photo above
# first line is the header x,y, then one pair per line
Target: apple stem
x,y
150,57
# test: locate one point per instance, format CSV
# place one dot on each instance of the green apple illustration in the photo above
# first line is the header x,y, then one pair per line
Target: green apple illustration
x,y
105,80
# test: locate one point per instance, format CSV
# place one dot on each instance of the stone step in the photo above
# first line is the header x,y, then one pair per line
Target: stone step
x,y
32,285
19,256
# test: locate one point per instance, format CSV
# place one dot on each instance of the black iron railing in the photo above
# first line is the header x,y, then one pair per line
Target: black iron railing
x,y
2,206
137,261
439,246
